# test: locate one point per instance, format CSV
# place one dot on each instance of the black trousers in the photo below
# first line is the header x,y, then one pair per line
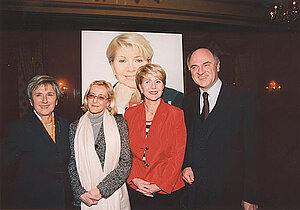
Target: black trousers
x,y
159,201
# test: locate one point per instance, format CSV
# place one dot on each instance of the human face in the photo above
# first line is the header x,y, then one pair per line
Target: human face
x,y
204,69
97,99
152,87
125,64
43,100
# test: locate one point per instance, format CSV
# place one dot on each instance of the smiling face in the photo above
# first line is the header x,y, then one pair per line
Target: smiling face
x,y
204,68
126,62
43,100
97,99
152,87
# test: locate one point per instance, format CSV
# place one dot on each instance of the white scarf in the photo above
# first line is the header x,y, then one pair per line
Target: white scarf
x,y
89,166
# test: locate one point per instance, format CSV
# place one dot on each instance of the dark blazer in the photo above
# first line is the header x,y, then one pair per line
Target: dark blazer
x,y
222,150
35,167
173,97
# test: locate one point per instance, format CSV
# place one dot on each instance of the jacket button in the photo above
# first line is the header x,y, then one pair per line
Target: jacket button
x,y
147,148
147,165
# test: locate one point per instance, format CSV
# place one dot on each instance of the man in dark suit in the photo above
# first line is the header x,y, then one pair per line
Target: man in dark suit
x,y
220,159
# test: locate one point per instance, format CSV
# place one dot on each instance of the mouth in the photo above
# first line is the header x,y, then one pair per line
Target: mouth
x,y
202,77
130,77
153,92
44,106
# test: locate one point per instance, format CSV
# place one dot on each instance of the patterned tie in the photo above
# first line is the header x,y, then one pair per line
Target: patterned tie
x,y
205,110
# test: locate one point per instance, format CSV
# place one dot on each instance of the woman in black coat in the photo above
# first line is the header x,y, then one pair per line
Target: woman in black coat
x,y
36,152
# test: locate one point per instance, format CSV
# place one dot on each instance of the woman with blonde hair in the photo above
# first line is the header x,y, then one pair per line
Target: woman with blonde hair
x,y
157,136
100,155
126,53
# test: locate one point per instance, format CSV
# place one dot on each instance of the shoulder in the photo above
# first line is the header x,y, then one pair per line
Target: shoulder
x,y
119,119
73,125
239,92
24,122
133,110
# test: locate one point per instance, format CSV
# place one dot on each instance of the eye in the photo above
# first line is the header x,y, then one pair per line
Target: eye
x,y
194,67
146,82
51,94
121,60
102,98
158,81
91,96
139,60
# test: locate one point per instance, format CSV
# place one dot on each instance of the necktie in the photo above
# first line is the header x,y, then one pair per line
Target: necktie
x,y
205,110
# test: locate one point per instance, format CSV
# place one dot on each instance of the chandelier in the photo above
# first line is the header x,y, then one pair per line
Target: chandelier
x,y
286,11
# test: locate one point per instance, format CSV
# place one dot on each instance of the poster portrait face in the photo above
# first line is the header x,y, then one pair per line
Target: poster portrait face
x,y
115,58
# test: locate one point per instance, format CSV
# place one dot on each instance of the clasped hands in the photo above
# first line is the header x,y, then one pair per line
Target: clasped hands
x,y
91,197
145,187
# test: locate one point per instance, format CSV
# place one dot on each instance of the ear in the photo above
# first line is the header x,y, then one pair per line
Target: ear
x,y
218,66
56,102
31,103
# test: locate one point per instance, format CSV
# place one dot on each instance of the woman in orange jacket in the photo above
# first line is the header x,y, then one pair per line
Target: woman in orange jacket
x,y
157,136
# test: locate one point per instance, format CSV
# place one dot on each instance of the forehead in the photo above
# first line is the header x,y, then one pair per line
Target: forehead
x,y
44,88
98,89
128,50
201,56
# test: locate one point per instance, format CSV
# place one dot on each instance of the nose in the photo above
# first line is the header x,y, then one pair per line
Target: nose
x,y
199,70
153,84
131,67
45,99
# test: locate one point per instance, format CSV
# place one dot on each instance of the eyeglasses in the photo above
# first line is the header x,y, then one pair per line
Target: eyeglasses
x,y
99,97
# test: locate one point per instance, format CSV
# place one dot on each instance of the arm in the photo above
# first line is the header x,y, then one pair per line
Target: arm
x,y
76,186
116,178
250,142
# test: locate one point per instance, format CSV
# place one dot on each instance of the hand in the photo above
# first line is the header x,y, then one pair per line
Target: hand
x,y
124,94
143,186
89,199
95,192
188,175
249,206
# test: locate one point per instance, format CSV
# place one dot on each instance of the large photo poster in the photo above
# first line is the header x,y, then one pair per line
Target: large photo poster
x,y
116,56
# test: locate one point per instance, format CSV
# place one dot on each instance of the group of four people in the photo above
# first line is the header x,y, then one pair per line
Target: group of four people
x,y
148,148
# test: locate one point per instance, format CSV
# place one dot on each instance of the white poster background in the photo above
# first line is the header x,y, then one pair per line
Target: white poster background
x,y
95,66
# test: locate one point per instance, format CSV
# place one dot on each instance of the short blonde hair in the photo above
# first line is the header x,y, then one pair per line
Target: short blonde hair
x,y
112,109
150,68
135,40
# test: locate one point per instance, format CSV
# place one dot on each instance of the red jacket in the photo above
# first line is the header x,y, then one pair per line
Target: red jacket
x,y
166,141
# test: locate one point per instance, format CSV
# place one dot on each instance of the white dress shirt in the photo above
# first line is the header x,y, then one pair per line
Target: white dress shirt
x,y
213,94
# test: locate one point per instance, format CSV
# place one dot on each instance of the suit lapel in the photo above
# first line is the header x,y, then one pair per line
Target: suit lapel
x,y
217,114
45,137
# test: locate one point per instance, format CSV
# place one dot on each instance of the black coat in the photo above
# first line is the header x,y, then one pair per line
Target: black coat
x,y
222,150
35,168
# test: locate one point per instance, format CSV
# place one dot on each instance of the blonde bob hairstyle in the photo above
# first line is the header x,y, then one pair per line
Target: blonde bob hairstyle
x,y
150,68
137,41
111,106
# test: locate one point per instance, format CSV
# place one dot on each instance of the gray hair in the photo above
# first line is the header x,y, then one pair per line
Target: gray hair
x,y
39,80
212,52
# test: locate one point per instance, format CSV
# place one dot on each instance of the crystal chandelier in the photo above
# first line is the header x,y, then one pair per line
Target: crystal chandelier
x,y
286,11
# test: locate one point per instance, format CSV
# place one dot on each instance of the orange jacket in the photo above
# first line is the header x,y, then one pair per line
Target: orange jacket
x,y
166,141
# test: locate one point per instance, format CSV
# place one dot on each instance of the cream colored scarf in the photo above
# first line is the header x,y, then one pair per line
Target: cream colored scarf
x,y
88,164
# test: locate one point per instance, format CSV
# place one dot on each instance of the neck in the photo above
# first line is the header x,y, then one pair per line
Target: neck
x,y
47,119
151,106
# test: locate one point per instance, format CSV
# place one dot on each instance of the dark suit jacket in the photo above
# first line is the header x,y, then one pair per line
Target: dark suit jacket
x,y
35,167
222,150
173,97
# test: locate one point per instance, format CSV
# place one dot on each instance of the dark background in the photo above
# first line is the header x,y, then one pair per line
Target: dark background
x,y
36,43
